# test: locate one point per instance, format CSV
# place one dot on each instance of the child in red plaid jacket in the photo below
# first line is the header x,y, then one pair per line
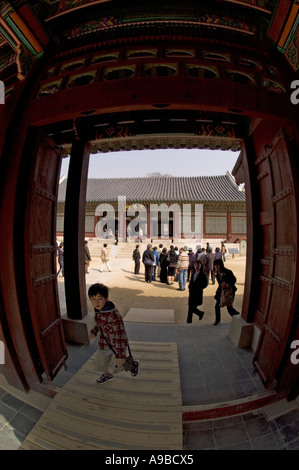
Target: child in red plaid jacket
x,y
110,326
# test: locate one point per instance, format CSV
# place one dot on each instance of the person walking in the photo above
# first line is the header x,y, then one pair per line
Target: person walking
x,y
225,293
148,259
87,256
140,234
182,268
113,339
61,260
105,258
197,283
136,257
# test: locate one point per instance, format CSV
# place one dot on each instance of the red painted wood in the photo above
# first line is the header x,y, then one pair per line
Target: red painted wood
x,y
20,368
40,256
278,284
142,93
222,410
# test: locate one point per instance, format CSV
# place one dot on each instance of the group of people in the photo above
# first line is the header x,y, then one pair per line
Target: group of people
x,y
114,353
225,292
175,264
87,258
185,266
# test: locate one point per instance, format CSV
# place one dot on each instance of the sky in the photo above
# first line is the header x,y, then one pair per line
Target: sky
x,y
139,163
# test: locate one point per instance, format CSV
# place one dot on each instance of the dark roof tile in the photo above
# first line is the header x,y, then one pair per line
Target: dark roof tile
x,y
220,188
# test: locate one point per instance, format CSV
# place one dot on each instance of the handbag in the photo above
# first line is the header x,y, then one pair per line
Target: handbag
x,y
226,297
148,261
130,365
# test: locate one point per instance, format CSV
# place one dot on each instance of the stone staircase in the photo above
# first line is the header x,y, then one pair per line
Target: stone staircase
x,y
123,249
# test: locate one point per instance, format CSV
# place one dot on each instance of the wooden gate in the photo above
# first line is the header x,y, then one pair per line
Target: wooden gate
x,y
40,257
277,241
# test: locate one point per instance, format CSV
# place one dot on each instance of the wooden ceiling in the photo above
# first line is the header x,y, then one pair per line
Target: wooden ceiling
x,y
101,43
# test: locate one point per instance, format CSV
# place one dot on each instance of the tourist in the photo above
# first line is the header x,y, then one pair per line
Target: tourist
x,y
156,263
223,251
210,265
112,351
182,268
87,256
60,260
163,263
172,263
225,293
136,257
192,258
159,250
105,258
197,283
148,261
202,257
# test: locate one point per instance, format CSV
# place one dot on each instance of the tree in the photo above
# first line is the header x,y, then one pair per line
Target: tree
x,y
156,174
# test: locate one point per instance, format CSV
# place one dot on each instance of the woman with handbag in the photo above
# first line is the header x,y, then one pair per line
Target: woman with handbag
x,y
225,293
114,350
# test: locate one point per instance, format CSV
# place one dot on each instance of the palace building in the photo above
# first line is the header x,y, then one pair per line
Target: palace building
x,y
200,207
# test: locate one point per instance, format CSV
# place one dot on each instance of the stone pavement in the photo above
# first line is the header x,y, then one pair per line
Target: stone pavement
x,y
212,370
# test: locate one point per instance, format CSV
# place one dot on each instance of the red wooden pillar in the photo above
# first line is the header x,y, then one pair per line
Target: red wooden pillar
x,y
74,231
229,225
204,234
148,221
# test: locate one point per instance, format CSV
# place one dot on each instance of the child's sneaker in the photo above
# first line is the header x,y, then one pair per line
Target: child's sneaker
x,y
104,378
135,369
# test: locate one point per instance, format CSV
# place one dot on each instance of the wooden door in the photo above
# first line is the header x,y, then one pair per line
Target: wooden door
x,y
277,241
40,257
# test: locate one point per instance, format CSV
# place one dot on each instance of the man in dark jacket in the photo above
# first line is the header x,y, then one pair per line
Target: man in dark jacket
x,y
136,258
192,258
225,293
148,259
197,283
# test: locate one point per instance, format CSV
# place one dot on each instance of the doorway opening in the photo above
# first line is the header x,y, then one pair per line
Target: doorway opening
x,y
222,225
